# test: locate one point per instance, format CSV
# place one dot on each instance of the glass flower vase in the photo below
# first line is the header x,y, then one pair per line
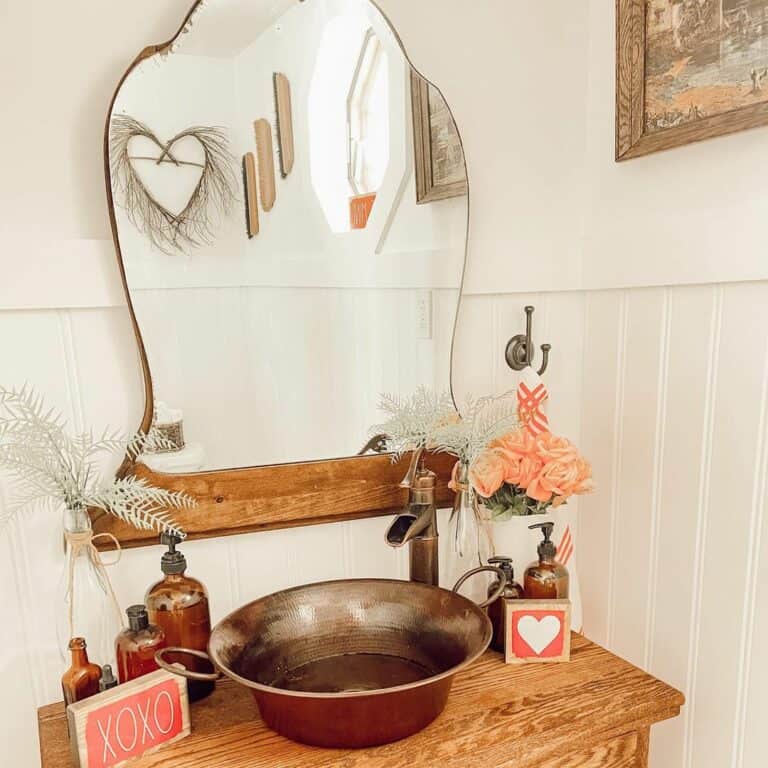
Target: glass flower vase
x,y
469,537
84,603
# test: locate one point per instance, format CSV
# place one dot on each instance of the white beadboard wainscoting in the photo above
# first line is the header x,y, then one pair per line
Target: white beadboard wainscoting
x,y
666,389
673,563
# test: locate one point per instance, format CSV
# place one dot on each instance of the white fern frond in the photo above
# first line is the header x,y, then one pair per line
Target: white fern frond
x,y
88,446
141,505
50,465
413,420
483,420
148,442
27,498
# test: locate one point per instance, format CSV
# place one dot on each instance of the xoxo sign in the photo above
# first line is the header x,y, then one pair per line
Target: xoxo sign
x,y
128,721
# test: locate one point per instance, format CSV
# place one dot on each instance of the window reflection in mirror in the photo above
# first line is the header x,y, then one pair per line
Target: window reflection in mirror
x,y
349,109
276,348
368,127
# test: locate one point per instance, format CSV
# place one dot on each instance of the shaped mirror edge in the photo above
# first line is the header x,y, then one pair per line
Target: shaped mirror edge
x,y
167,49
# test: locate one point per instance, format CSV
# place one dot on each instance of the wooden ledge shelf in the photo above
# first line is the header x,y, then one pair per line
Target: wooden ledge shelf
x,y
285,496
594,712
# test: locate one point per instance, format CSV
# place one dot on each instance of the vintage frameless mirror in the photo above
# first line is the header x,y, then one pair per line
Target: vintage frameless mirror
x,y
290,206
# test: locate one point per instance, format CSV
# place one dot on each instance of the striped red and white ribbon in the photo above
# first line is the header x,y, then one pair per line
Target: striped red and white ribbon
x,y
565,547
532,396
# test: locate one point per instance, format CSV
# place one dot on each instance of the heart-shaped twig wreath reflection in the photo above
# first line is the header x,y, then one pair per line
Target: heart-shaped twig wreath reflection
x,y
215,188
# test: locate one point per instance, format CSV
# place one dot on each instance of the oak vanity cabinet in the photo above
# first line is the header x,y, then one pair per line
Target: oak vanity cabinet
x,y
594,712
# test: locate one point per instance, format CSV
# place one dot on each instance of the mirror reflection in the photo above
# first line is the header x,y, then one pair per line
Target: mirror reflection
x,y
291,202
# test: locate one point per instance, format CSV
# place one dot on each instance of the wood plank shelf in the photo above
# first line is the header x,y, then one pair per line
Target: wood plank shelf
x,y
594,712
239,501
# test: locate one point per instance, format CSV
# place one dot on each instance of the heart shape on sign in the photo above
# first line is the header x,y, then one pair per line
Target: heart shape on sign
x,y
169,188
539,634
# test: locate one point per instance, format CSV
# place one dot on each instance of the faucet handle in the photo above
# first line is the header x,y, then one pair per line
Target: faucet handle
x,y
410,475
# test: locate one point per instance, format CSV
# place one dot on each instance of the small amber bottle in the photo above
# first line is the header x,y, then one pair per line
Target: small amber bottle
x,y
81,680
179,605
546,579
512,591
137,645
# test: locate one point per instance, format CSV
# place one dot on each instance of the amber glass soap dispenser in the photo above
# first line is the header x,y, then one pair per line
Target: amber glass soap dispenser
x,y
179,605
512,591
546,579
137,645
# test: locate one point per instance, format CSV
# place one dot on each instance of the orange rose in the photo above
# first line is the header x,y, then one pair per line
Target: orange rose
x,y
520,442
562,478
520,470
585,483
555,479
487,473
553,448
530,467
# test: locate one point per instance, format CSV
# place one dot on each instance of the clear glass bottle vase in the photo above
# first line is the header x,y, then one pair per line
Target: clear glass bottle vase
x,y
469,539
84,604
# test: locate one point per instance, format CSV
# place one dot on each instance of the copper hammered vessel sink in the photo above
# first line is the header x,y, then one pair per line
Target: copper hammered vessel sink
x,y
350,664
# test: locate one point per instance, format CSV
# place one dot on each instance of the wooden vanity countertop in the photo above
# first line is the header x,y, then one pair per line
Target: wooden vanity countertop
x,y
594,712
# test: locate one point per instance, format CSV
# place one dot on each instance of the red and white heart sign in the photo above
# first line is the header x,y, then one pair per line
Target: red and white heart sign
x,y
538,630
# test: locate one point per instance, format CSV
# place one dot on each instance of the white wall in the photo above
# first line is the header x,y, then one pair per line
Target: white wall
x,y
665,386
674,417
692,215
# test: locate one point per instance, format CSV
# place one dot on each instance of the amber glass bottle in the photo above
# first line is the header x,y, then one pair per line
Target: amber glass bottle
x,y
512,591
137,645
546,579
81,680
179,605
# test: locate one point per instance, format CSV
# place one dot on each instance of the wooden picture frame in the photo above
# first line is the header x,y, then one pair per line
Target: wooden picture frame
x,y
537,631
632,137
428,186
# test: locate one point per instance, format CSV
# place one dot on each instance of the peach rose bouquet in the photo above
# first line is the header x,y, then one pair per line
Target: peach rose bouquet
x,y
525,474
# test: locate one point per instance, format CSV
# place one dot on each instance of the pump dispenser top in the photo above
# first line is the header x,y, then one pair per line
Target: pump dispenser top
x,y
172,562
546,579
546,549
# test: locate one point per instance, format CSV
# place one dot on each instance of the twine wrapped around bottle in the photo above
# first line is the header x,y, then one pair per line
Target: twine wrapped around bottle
x,y
80,541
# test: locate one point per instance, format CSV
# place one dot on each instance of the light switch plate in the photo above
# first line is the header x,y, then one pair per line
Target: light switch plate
x,y
424,315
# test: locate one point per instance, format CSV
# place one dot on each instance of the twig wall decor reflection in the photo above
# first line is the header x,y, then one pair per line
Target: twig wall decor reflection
x,y
284,111
251,196
266,156
172,231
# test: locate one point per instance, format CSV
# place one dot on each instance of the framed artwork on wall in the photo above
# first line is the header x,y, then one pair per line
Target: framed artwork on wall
x,y
439,157
688,70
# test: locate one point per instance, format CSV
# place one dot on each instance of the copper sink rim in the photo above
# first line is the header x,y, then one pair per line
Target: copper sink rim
x,y
481,649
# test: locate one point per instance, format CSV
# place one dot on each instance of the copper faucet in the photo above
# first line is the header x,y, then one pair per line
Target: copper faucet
x,y
416,525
